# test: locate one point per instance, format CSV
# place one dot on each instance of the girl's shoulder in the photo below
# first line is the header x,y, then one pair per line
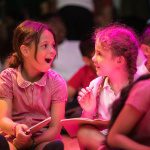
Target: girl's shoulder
x,y
53,75
9,71
55,81
141,87
139,96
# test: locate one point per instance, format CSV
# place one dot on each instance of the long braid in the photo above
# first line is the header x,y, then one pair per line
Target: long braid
x,y
131,66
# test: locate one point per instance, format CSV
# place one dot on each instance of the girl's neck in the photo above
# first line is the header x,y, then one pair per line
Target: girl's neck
x,y
31,75
117,83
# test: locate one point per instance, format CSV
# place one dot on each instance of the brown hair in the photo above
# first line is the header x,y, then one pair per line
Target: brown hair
x,y
122,41
26,33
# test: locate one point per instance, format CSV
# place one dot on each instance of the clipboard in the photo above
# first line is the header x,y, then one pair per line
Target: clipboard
x,y
38,126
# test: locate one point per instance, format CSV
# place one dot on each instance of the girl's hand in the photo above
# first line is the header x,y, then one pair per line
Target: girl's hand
x,y
87,100
22,140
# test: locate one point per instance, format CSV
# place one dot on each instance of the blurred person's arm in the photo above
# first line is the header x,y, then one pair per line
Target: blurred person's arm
x,y
71,92
124,124
74,83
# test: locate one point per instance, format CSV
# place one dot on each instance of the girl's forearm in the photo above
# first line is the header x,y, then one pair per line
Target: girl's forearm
x,y
7,125
48,135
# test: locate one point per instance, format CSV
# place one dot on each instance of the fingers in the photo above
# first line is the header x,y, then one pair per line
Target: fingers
x,y
21,130
81,94
24,127
85,91
85,99
21,139
22,143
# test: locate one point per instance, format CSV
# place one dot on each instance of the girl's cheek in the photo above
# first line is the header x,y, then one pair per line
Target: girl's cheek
x,y
53,55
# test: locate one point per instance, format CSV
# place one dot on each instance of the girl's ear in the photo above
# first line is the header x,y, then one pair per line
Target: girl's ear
x,y
120,60
145,49
24,50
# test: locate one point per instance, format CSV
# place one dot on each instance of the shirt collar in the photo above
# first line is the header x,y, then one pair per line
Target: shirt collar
x,y
107,86
24,83
106,83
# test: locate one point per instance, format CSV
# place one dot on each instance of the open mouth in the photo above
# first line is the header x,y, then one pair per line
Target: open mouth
x,y
47,60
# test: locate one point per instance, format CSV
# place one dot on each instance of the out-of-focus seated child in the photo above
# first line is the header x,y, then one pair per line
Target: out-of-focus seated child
x,y
81,78
145,48
129,128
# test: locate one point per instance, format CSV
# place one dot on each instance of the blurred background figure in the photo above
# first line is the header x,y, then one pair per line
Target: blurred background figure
x,y
47,8
104,13
85,74
57,25
77,16
134,13
145,48
7,25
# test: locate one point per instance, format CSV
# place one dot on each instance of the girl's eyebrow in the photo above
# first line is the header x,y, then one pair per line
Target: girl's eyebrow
x,y
97,49
45,41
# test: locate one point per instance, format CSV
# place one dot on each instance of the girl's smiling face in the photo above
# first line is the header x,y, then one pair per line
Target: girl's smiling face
x,y
103,60
45,52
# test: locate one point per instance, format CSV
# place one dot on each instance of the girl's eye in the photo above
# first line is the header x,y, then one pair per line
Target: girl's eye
x,y
99,54
53,45
48,46
45,45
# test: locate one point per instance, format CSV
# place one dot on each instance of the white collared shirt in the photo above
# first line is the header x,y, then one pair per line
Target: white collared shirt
x,y
107,97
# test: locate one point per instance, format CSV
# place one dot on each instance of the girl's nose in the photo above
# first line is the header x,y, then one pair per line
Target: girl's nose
x,y
93,58
52,52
